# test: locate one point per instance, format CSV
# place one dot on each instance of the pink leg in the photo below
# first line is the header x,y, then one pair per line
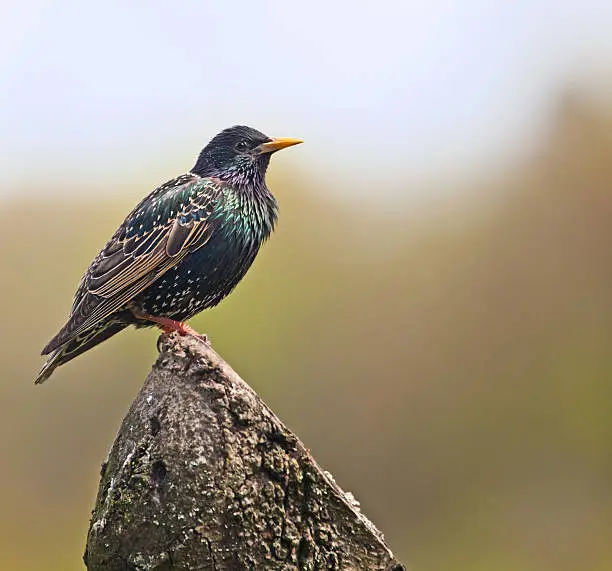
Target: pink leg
x,y
166,324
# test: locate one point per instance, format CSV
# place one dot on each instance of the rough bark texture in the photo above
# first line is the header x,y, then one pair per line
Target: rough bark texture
x,y
203,475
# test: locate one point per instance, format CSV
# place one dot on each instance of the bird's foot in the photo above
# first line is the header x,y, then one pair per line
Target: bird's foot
x,y
168,325
182,329
201,336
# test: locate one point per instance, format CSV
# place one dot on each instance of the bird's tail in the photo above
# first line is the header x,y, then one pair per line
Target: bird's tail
x,y
54,361
78,345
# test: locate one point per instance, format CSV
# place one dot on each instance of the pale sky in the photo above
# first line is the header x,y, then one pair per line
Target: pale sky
x,y
99,91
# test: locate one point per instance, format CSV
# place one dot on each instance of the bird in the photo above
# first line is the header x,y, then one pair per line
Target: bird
x,y
181,250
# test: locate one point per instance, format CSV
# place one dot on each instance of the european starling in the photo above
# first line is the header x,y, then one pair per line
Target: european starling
x,y
181,250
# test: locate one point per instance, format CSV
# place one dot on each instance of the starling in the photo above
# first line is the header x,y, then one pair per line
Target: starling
x,y
181,250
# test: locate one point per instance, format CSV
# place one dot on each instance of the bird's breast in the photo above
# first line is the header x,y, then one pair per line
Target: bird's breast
x,y
202,279
205,276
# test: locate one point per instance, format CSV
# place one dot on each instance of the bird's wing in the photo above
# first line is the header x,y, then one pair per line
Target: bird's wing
x,y
171,222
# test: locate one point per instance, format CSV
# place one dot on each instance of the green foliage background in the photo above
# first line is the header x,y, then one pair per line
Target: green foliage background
x,y
449,361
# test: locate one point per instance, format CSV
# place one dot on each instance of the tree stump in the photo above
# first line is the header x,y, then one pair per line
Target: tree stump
x,y
203,475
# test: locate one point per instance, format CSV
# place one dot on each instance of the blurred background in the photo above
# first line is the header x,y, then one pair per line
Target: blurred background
x,y
433,316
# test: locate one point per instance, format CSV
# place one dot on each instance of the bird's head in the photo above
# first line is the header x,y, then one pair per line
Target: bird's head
x,y
239,155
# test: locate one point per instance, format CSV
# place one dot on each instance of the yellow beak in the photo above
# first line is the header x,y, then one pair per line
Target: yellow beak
x,y
277,144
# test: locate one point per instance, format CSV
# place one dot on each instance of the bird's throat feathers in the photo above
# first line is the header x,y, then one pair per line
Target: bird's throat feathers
x,y
249,213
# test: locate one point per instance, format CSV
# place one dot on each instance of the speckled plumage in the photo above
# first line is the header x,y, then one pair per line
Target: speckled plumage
x,y
181,250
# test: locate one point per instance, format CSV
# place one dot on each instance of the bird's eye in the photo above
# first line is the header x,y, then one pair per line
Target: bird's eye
x,y
242,146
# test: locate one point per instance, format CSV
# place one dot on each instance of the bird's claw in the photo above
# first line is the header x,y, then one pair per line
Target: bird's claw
x,y
200,336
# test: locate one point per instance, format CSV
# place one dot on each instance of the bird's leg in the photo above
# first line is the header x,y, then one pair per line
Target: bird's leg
x,y
168,325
